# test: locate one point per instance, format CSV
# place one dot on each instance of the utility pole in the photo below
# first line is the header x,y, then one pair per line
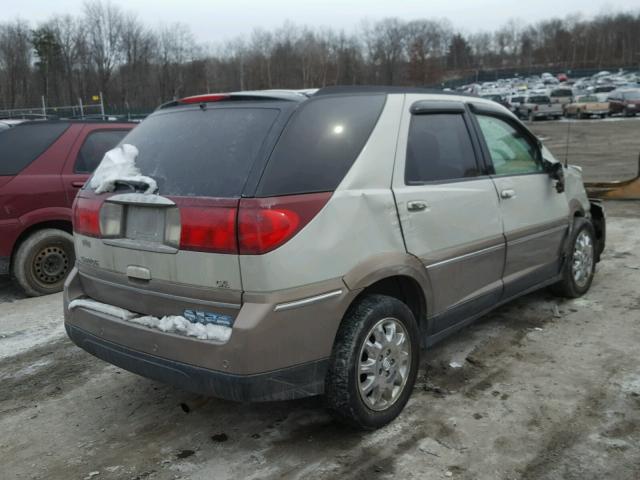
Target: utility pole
x,y
44,107
81,107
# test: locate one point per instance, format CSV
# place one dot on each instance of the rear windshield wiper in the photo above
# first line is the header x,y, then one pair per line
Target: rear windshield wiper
x,y
134,184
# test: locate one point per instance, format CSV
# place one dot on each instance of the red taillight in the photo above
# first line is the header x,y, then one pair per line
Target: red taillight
x,y
212,97
208,224
264,224
86,216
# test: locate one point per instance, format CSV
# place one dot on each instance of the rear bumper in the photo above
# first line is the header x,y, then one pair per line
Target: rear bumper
x,y
272,353
284,384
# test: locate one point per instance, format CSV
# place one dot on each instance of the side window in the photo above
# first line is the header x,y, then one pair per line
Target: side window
x,y
438,148
94,147
511,152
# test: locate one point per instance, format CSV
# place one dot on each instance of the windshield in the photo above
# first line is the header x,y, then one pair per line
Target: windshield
x,y
561,93
201,152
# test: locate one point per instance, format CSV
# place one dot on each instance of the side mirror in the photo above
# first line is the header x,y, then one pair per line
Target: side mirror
x,y
556,172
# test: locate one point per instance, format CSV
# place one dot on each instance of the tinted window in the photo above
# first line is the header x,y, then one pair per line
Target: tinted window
x,y
438,148
319,144
22,144
511,152
94,147
201,152
540,99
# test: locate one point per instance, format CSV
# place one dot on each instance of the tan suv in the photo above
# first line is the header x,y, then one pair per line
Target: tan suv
x,y
276,245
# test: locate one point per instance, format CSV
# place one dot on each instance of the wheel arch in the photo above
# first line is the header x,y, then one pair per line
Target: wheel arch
x,y
401,276
64,225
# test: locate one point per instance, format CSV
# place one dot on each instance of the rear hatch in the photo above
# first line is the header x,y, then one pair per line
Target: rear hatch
x,y
176,251
236,176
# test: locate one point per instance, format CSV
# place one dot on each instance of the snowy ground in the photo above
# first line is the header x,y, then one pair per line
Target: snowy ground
x,y
541,389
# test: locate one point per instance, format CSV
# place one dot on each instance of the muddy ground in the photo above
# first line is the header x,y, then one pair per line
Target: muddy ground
x,y
605,149
547,389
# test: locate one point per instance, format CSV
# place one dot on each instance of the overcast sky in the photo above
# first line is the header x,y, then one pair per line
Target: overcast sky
x,y
214,21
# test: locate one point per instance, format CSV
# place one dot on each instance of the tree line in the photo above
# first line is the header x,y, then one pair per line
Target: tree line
x,y
107,49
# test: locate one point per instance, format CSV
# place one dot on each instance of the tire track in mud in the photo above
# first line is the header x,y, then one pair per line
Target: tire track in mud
x,y
483,368
592,420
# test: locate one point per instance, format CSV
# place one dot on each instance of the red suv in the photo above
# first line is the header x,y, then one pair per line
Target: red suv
x,y
42,166
626,102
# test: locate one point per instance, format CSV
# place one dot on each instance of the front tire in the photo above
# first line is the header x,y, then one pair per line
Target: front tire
x,y
43,260
579,267
374,362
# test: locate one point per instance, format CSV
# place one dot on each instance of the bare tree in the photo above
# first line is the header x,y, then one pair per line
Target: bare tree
x,y
103,23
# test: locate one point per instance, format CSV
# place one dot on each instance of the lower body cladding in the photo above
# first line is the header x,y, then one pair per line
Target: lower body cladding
x,y
278,349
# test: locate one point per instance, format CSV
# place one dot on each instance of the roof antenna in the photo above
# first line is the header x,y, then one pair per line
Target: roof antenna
x,y
566,149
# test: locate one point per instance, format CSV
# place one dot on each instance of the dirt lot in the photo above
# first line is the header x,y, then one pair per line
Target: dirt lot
x,y
606,149
546,389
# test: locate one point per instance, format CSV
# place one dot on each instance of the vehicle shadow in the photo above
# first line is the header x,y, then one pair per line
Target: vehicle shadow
x,y
9,291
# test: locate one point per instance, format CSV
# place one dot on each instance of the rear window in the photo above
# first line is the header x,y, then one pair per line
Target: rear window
x,y
22,144
320,143
539,99
201,152
631,95
562,93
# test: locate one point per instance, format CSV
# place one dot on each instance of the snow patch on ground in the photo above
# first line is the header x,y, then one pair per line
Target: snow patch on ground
x,y
119,164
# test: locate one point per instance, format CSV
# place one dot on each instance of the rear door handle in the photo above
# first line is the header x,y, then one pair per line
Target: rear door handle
x,y
509,193
77,184
416,206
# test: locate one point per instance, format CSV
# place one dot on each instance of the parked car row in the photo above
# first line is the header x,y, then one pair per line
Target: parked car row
x,y
549,97
531,107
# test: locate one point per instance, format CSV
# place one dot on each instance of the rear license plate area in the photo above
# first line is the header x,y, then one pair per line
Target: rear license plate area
x,y
146,224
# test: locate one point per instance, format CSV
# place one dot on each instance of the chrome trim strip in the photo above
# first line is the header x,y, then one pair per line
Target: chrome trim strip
x,y
149,199
141,291
465,256
306,301
535,235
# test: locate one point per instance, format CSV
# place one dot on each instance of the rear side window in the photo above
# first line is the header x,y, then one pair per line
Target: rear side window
x,y
319,144
94,147
439,148
201,152
22,144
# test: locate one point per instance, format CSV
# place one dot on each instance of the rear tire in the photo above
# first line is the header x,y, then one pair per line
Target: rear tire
x,y
374,362
43,260
579,266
